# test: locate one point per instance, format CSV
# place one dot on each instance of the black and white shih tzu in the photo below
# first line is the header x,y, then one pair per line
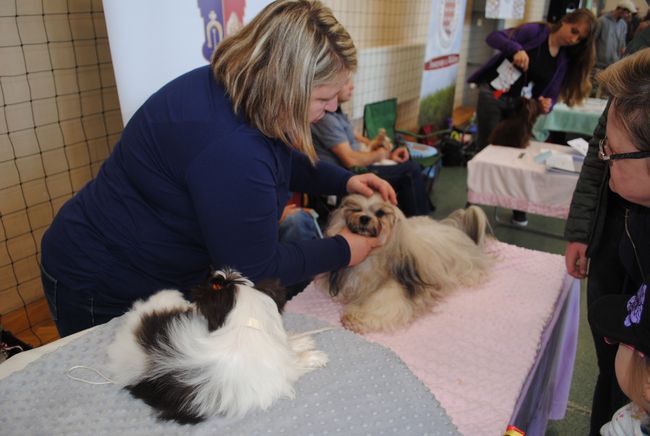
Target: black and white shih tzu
x,y
419,262
224,354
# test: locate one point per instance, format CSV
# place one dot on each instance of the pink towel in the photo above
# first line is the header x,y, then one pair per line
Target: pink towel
x,y
476,349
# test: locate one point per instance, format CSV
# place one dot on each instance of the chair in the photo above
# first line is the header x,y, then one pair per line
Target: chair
x,y
383,114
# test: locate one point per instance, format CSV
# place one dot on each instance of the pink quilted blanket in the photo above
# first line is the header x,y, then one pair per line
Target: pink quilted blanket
x,y
476,349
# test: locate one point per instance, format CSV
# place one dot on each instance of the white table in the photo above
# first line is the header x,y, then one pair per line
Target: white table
x,y
510,178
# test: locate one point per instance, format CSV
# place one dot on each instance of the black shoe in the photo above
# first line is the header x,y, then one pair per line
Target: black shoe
x,y
11,345
519,218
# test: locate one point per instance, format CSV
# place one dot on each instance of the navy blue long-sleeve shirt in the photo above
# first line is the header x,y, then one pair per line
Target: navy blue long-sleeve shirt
x,y
189,185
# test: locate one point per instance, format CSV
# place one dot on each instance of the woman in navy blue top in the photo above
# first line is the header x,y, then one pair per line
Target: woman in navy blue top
x,y
203,171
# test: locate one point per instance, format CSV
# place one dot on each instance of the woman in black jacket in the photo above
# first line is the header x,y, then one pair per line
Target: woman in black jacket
x,y
609,215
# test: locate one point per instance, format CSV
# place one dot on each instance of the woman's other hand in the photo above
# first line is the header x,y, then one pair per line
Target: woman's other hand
x,y
360,246
367,184
575,258
520,59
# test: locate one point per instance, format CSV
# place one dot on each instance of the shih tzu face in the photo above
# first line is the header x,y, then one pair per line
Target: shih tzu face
x,y
369,216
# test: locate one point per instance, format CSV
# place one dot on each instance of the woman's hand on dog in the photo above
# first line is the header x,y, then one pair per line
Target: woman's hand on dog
x,y
360,246
546,103
367,184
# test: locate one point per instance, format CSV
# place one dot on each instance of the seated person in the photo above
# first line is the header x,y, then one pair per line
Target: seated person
x,y
336,142
297,224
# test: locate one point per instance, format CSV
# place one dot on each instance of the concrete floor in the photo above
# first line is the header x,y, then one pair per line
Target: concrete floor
x,y
450,193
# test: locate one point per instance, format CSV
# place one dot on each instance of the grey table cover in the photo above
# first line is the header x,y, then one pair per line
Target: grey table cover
x,y
364,390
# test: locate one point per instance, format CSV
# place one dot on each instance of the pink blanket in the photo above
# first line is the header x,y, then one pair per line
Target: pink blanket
x,y
476,349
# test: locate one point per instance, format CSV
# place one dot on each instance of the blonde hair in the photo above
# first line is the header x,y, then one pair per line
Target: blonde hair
x,y
628,82
270,67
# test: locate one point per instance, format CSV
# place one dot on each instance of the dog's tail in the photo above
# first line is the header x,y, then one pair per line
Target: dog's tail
x,y
472,221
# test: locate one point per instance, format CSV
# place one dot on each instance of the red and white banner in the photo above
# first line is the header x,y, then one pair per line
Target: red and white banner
x,y
152,42
441,61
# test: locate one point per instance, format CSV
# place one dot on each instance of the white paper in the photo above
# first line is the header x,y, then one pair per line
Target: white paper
x,y
579,145
564,162
508,74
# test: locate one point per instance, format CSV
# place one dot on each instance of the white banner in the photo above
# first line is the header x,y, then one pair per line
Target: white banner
x,y
441,61
505,9
154,41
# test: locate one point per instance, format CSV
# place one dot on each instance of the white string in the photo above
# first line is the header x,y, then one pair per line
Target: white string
x,y
312,332
90,382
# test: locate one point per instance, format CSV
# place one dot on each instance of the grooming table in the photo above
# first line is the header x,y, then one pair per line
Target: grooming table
x,y
364,390
498,354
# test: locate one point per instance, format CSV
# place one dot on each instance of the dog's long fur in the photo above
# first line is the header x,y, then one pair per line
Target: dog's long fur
x,y
421,260
224,354
516,129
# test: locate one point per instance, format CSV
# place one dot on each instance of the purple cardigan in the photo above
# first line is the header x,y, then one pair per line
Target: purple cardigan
x,y
526,37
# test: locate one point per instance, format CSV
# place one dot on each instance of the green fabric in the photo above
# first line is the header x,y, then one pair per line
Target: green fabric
x,y
382,114
565,119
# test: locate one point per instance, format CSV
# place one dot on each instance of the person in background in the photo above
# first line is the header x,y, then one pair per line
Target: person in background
x,y
535,60
633,21
611,33
336,142
203,170
644,24
599,218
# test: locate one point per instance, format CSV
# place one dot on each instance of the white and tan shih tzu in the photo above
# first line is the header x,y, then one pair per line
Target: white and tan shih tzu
x,y
419,262
225,353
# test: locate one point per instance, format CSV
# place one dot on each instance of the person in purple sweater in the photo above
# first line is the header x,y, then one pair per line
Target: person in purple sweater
x,y
203,170
548,62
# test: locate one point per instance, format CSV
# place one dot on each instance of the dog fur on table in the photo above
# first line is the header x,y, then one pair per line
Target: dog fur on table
x,y
516,129
225,354
419,262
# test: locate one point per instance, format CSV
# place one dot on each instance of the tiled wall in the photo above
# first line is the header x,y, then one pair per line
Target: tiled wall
x,y
59,117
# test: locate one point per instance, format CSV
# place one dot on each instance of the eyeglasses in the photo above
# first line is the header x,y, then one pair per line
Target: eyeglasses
x,y
605,153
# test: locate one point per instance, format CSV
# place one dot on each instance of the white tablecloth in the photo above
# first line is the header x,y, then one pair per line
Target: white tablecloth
x,y
509,177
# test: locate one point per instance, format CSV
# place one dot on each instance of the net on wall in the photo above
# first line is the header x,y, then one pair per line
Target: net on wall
x,y
59,119
390,36
60,113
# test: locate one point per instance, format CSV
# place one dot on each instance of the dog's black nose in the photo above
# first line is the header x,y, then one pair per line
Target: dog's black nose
x,y
364,219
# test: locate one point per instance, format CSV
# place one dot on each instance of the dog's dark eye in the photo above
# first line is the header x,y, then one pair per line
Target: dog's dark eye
x,y
380,213
355,210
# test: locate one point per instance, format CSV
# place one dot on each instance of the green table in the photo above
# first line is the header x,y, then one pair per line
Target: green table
x,y
577,119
